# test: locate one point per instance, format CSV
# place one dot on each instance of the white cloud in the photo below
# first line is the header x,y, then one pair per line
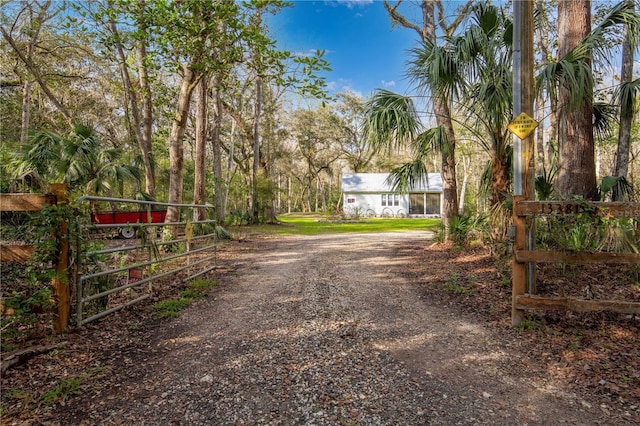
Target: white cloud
x,y
342,85
355,3
388,83
310,52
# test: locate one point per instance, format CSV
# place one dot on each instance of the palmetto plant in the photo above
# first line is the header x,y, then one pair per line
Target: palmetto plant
x,y
78,159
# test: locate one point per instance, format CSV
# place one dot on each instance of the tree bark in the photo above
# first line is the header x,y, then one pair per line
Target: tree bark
x,y
577,175
546,136
26,111
443,118
26,88
288,194
466,164
621,160
199,180
145,143
217,157
141,129
256,152
440,108
176,149
229,165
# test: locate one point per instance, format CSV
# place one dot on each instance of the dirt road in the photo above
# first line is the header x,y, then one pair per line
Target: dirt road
x,y
327,331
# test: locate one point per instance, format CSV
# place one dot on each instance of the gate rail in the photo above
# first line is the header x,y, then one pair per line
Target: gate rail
x,y
131,266
523,211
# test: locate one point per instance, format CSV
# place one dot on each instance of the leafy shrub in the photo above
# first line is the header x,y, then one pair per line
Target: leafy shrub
x,y
464,227
27,299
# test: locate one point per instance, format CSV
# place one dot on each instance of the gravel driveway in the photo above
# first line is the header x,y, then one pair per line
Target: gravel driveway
x,y
326,331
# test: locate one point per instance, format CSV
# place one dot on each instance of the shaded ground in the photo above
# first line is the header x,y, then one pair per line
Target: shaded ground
x,y
344,329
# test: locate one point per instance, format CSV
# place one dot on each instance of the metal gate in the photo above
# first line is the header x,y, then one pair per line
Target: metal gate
x,y
118,263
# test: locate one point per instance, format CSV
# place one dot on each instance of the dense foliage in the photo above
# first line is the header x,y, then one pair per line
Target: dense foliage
x,y
150,100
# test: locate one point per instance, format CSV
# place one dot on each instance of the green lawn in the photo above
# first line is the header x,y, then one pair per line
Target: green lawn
x,y
315,224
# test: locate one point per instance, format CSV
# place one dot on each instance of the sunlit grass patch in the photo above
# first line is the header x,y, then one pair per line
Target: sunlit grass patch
x,y
318,224
198,289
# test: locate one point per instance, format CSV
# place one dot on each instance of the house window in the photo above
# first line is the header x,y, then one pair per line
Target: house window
x,y
351,200
390,200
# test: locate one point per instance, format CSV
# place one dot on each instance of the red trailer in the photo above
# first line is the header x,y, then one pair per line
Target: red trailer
x,y
127,218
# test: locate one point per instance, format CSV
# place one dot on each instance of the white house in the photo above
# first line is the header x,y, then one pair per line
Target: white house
x,y
369,194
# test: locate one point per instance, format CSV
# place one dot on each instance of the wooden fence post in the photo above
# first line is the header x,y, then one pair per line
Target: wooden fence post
x,y
61,278
519,268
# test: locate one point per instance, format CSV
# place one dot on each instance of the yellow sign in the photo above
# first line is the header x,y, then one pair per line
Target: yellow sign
x,y
522,125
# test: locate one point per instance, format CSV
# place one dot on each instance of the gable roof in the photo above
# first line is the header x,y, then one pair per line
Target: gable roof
x,y
376,182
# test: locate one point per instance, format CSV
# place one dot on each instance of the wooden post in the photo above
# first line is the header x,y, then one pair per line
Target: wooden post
x,y
519,268
523,96
61,277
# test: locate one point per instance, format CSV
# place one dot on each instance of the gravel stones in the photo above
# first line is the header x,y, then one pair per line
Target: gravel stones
x,y
325,331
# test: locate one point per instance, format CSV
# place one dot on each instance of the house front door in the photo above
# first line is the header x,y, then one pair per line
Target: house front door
x,y
416,203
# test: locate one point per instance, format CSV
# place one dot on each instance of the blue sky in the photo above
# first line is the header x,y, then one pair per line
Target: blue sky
x,y
364,51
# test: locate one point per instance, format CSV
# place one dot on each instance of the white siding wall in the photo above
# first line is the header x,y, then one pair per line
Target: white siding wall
x,y
366,190
371,205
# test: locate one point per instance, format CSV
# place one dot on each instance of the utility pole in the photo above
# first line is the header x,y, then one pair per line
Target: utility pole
x,y
523,149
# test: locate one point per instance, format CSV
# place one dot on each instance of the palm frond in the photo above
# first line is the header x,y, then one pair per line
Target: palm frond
x,y
618,186
407,176
573,72
623,13
544,183
435,68
391,120
626,95
487,17
433,140
604,116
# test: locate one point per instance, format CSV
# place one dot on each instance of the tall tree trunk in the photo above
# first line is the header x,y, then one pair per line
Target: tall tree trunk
x,y
145,142
440,106
176,149
288,194
551,147
539,139
199,179
36,26
544,135
142,123
26,111
279,198
466,164
255,208
577,171
443,118
621,160
217,156
552,134
229,166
